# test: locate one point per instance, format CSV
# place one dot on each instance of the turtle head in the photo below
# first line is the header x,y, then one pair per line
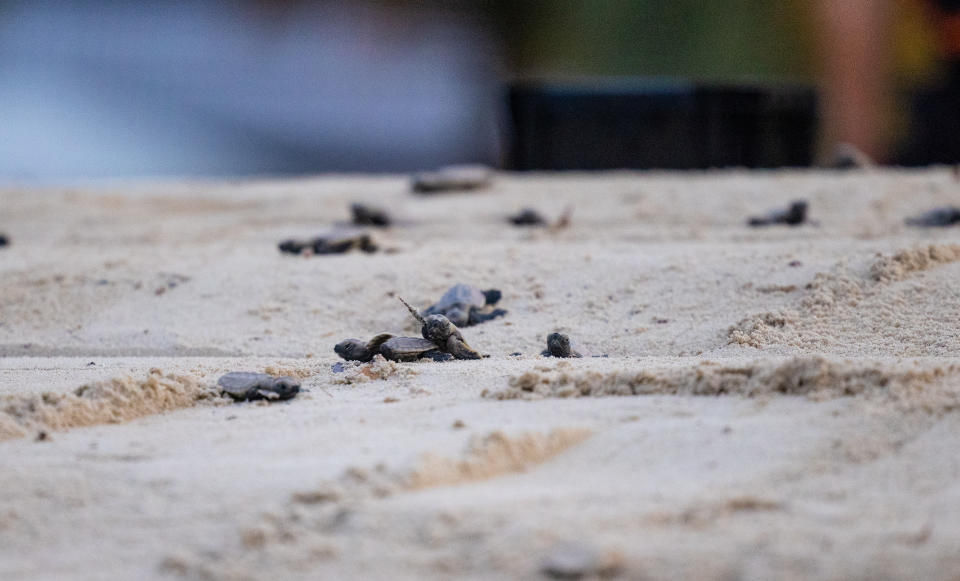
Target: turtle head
x,y
353,350
558,344
438,328
797,214
285,387
492,295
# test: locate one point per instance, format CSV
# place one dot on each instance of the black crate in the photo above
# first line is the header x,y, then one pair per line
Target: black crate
x,y
667,125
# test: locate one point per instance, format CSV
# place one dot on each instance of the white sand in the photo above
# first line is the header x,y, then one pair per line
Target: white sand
x,y
788,421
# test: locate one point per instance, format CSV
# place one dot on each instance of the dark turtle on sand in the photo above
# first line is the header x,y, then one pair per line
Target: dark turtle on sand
x,y
443,333
452,178
528,217
364,215
467,305
335,243
560,345
794,215
4,240
946,216
357,350
244,386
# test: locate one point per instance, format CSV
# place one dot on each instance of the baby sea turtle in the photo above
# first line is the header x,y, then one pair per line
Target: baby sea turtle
x,y
4,240
335,243
443,333
244,386
560,345
946,216
795,215
364,215
528,217
467,305
452,178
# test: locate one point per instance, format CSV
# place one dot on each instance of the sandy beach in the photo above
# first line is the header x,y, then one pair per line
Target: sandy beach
x,y
775,403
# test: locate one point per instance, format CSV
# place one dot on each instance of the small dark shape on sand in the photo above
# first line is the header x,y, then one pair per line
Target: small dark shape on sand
x,y
794,263
364,215
467,305
331,244
559,345
848,156
795,215
938,217
528,217
4,240
452,178
246,386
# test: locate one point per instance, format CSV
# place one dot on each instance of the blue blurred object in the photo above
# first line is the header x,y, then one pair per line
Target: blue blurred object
x,y
94,89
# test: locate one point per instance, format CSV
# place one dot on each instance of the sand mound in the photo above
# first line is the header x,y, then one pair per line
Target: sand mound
x,y
108,402
493,455
902,264
814,377
312,528
873,309
379,368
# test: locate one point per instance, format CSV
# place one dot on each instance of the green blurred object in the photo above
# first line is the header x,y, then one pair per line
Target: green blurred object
x,y
702,39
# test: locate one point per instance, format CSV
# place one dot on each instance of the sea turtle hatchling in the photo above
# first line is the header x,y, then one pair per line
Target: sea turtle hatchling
x,y
794,215
443,333
334,243
938,217
467,305
247,386
560,345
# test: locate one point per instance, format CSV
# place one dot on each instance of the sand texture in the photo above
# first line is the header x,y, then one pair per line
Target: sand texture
x,y
771,403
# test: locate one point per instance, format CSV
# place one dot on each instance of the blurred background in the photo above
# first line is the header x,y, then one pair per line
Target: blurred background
x,y
102,89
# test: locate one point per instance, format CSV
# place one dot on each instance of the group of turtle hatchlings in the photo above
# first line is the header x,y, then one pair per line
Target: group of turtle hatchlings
x,y
463,305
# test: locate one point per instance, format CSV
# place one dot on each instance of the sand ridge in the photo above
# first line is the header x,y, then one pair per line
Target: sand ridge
x,y
117,400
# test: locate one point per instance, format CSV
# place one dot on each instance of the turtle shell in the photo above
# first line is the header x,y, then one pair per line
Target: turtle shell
x,y
460,294
406,348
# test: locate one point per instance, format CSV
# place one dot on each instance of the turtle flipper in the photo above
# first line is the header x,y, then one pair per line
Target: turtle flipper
x,y
373,345
438,355
477,316
457,347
